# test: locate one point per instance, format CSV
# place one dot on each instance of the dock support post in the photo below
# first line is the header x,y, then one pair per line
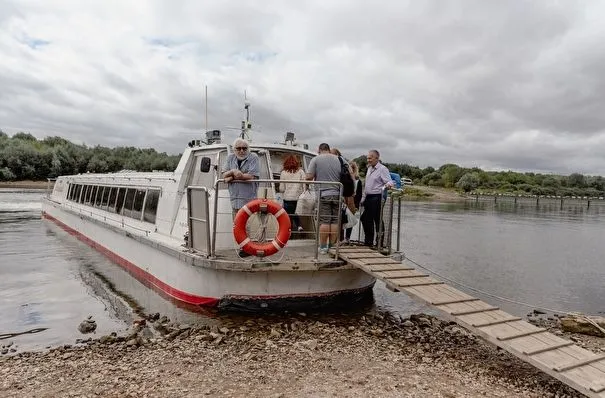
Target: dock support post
x,y
399,223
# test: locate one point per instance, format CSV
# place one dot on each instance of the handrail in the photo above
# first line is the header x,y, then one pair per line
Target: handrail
x,y
48,190
123,224
206,215
306,182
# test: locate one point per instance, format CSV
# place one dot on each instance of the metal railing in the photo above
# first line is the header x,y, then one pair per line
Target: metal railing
x,y
315,214
384,241
198,215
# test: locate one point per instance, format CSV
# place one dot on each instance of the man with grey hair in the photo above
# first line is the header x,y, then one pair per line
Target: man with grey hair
x,y
377,178
241,165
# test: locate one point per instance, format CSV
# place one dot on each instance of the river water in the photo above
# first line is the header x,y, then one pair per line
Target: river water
x,y
546,255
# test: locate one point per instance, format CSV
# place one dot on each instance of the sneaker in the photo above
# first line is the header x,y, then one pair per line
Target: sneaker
x,y
300,229
323,250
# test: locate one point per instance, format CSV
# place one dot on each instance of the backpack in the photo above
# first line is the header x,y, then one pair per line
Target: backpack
x,y
348,185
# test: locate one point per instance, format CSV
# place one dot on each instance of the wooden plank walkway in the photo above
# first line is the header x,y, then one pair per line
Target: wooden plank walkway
x,y
577,367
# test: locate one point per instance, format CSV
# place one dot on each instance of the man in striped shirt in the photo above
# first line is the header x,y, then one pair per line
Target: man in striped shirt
x,y
377,178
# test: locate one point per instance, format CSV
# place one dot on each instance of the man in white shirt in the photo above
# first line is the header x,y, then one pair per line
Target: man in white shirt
x,y
377,178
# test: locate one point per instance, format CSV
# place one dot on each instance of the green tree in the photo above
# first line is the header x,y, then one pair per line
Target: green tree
x,y
576,180
468,182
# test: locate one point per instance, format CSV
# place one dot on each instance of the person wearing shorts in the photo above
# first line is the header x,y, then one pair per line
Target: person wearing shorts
x,y
326,167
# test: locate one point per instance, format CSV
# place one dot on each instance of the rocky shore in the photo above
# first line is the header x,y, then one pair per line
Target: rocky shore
x,y
293,356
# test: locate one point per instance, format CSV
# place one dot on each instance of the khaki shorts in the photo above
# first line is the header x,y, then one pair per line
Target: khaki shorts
x,y
329,206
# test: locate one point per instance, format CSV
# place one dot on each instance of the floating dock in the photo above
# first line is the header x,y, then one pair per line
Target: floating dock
x,y
577,367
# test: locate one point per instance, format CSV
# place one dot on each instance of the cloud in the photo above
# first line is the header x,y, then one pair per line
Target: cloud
x,y
509,85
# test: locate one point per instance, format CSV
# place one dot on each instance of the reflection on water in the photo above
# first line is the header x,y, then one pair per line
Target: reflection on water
x,y
541,254
547,254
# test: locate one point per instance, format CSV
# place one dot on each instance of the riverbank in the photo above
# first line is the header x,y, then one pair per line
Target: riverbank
x,y
436,194
297,356
25,184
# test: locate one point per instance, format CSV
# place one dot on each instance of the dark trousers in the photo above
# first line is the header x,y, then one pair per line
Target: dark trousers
x,y
290,207
370,218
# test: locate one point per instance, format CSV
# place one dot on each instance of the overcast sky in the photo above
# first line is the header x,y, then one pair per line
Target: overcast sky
x,y
514,85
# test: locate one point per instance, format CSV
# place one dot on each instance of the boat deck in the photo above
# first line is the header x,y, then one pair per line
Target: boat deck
x,y
577,367
291,257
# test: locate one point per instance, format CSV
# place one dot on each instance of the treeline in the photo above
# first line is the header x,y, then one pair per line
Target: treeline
x,y
24,157
476,180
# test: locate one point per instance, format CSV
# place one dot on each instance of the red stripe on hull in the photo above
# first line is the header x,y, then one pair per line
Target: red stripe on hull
x,y
137,272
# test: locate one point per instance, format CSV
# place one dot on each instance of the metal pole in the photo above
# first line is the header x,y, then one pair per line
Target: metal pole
x,y
338,224
189,222
206,103
399,223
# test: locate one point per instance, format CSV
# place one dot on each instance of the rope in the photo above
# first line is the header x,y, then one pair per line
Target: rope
x,y
506,299
9,335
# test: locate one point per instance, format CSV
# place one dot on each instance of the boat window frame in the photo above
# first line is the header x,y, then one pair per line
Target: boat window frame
x,y
103,205
121,190
113,191
99,196
127,207
134,211
150,193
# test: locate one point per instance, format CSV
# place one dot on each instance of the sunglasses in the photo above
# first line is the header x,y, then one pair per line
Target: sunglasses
x,y
241,148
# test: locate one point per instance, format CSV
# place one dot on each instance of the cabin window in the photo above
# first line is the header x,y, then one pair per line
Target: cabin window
x,y
128,202
91,201
263,165
151,205
100,193
111,201
76,197
105,197
89,189
69,191
137,208
307,162
120,200
84,193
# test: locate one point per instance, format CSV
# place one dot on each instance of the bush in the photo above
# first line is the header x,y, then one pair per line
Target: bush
x,y
6,174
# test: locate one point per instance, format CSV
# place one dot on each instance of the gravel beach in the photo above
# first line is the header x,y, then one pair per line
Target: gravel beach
x,y
296,356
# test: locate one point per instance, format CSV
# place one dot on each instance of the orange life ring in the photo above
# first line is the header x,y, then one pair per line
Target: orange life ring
x,y
261,249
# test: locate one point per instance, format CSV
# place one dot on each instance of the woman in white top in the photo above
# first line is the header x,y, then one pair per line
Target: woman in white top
x,y
292,172
357,196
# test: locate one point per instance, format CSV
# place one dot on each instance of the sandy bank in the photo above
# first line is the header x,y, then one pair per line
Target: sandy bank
x,y
295,357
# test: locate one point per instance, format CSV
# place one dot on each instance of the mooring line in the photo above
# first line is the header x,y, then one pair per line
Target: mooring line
x,y
5,336
500,297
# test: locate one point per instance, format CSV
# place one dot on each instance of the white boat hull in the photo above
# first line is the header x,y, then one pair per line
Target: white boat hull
x,y
172,272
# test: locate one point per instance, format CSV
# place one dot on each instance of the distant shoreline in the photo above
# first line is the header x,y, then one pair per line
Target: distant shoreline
x,y
433,194
25,184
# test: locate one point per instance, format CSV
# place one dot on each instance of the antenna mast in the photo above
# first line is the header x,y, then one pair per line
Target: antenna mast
x,y
206,106
246,125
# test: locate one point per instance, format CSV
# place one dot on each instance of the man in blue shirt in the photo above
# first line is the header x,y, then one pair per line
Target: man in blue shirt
x,y
241,165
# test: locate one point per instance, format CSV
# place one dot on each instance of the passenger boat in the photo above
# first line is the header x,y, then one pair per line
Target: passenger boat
x,y
174,231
